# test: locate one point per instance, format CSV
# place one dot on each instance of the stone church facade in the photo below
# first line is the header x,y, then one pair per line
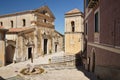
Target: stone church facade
x,y
31,34
74,30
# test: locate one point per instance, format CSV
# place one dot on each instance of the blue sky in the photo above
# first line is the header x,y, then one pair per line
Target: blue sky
x,y
58,7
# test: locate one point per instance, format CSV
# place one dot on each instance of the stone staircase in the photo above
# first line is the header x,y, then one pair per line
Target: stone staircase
x,y
60,62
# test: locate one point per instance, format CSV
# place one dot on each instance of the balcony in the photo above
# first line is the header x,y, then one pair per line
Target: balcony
x,y
92,3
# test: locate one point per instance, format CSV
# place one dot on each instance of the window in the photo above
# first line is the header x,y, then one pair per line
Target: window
x,y
86,28
45,20
44,12
1,23
87,2
24,22
11,23
73,26
96,22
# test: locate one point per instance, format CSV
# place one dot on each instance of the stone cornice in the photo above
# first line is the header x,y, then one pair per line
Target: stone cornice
x,y
41,16
73,32
105,47
48,25
17,13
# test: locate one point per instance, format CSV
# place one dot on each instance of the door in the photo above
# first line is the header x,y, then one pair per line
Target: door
x,y
93,60
56,48
10,50
29,53
45,46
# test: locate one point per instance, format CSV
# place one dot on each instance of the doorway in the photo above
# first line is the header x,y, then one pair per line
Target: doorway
x,y
55,47
29,52
10,51
93,60
45,46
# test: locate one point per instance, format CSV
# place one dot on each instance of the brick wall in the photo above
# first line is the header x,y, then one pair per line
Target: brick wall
x,y
110,22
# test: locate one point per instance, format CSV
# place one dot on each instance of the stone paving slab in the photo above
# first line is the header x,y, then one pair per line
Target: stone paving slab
x,y
63,74
60,71
16,78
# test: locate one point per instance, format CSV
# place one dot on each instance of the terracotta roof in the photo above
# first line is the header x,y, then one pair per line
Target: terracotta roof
x,y
73,11
1,27
17,30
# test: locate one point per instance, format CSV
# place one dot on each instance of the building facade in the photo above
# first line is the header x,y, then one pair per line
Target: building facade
x,y
74,32
31,34
102,29
2,45
58,42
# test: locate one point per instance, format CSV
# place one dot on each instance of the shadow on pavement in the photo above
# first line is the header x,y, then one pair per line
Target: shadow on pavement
x,y
1,78
79,65
15,78
90,75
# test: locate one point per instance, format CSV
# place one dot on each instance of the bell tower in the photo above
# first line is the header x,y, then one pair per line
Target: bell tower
x,y
73,32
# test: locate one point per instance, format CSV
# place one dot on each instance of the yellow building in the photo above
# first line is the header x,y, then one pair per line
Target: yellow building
x,y
73,32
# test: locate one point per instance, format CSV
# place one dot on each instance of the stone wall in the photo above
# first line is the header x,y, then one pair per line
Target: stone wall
x,y
57,42
103,56
17,20
2,47
2,53
74,39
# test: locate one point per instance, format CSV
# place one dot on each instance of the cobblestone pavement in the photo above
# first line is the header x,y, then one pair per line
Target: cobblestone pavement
x,y
57,72
62,73
52,71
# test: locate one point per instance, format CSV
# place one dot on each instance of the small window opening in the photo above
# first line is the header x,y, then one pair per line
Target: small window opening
x,y
24,22
73,26
11,24
1,23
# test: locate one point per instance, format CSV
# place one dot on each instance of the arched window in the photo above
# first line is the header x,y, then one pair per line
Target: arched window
x,y
24,22
73,26
45,20
11,23
44,12
1,23
86,28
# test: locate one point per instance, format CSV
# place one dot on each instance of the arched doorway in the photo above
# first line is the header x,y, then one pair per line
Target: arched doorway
x,y
10,50
92,61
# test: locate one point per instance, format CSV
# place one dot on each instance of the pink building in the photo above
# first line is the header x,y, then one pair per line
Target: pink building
x,y
102,29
